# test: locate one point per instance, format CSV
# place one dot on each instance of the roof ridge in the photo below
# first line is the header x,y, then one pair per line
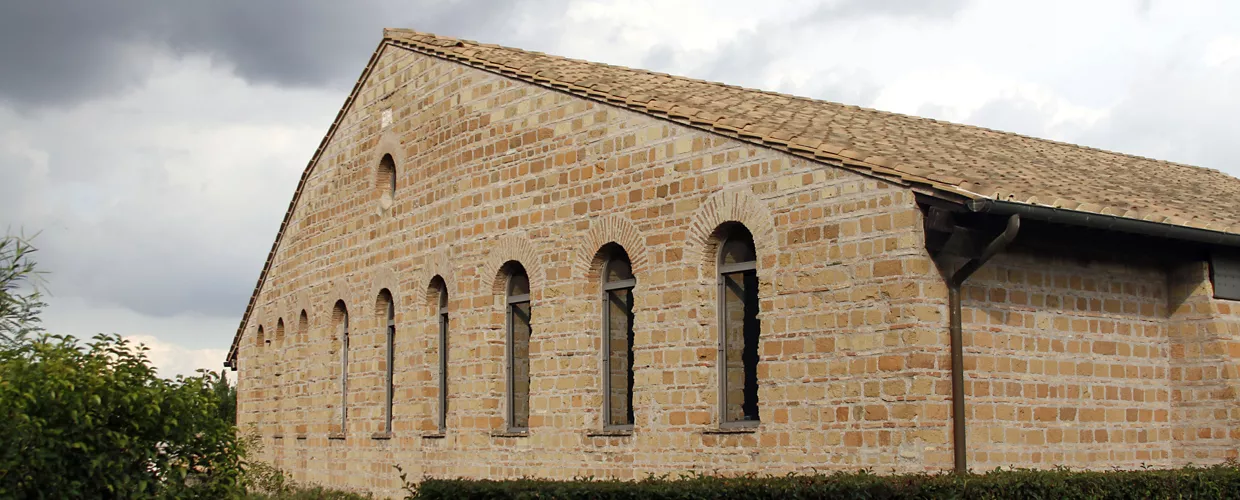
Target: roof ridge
x,y
806,99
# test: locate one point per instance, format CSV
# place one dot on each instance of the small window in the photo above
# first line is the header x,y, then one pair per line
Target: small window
x,y
386,180
303,327
280,332
261,339
441,306
739,329
387,308
341,315
518,319
618,283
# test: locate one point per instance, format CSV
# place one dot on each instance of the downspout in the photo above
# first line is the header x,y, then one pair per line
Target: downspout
x,y
957,337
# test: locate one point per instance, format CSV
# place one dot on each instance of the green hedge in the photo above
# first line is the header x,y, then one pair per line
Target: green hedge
x,y
1216,482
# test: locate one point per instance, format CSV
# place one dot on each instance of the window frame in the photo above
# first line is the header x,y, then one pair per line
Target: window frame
x,y
390,372
344,367
444,323
722,271
605,328
510,301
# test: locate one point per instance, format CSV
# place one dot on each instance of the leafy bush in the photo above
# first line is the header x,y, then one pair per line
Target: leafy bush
x,y
1216,482
94,421
20,296
307,493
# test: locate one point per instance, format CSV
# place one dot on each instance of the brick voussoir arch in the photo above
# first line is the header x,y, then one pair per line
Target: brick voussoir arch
x,y
339,290
389,144
292,306
512,248
612,228
734,206
384,277
436,264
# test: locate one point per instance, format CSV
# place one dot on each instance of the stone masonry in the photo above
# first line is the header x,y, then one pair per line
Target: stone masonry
x,y
1099,365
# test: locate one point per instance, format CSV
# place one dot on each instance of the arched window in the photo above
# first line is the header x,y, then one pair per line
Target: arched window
x,y
387,309
303,327
277,392
739,328
341,316
441,290
261,339
386,179
303,337
617,286
518,326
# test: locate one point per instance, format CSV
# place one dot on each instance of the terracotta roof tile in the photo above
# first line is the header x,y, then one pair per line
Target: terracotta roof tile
x,y
964,159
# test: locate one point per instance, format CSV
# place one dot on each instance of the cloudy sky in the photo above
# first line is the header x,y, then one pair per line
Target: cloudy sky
x,y
155,143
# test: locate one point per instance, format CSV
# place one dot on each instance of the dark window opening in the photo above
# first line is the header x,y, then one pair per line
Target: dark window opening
x,y
518,319
618,283
739,327
388,306
442,307
341,315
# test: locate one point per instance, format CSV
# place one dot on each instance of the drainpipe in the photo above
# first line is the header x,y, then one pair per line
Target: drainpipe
x,y
957,337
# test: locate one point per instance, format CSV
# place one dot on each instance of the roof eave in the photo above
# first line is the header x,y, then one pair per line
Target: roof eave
x,y
1104,222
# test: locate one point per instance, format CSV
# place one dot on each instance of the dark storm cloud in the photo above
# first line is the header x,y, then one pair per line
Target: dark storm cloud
x,y
65,51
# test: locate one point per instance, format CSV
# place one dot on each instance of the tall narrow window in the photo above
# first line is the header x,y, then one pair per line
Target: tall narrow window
x,y
739,328
518,348
278,379
441,290
261,340
342,317
618,283
388,306
303,334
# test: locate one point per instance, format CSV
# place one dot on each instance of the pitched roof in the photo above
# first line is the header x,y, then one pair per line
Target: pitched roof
x,y
952,161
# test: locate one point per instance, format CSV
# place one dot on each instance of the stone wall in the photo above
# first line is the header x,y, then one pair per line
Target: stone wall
x,y
1067,363
490,170
1076,364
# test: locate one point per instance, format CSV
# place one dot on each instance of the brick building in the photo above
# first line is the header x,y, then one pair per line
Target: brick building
x,y
501,263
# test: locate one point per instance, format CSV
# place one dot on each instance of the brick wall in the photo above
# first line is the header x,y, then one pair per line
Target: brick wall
x,y
490,170
1068,364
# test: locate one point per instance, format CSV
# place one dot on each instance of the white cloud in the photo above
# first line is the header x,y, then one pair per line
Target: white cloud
x,y
171,359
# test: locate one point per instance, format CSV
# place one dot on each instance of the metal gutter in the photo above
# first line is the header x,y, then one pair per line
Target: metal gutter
x,y
957,335
1104,222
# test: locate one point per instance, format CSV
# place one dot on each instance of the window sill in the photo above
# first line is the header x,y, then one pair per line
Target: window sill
x,y
336,436
434,435
733,429
381,435
510,434
300,436
610,433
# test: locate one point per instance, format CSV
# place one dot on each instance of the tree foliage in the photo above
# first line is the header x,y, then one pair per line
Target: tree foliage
x,y
225,395
94,420
20,293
